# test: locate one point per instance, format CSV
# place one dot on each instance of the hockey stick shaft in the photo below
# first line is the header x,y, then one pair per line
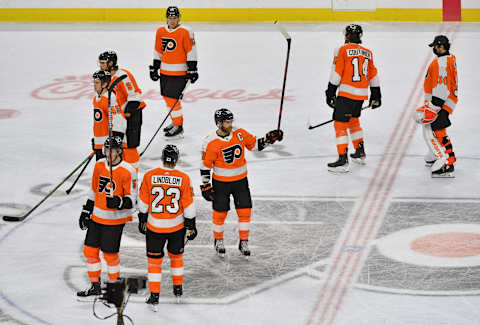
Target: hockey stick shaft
x,y
79,175
166,117
310,127
16,218
289,40
111,89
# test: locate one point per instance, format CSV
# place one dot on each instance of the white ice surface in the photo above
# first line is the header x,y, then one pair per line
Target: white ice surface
x,y
49,138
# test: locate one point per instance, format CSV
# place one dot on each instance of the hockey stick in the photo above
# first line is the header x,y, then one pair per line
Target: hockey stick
x,y
310,127
79,175
110,127
21,218
289,40
168,114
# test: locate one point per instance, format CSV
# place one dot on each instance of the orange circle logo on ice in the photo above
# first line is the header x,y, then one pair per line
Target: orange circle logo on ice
x,y
448,244
8,113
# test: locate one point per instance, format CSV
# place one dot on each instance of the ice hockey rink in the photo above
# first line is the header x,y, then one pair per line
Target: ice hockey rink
x,y
383,244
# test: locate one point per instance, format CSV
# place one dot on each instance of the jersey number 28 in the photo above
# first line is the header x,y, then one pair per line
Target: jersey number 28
x,y
172,192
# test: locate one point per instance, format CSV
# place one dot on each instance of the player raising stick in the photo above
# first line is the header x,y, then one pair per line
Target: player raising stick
x,y
224,152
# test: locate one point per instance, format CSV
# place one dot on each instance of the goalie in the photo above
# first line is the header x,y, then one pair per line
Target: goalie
x,y
441,87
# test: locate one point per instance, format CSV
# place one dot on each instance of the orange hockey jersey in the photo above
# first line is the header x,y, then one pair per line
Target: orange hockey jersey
x,y
226,156
100,118
174,47
124,184
353,71
167,196
127,90
441,81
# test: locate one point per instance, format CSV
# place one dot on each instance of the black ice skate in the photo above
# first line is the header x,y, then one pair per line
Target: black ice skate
x,y
92,292
219,247
444,172
339,166
153,300
178,291
359,155
243,247
429,163
175,132
168,127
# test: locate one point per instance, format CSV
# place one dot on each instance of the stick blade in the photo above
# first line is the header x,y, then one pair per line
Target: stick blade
x,y
283,31
12,218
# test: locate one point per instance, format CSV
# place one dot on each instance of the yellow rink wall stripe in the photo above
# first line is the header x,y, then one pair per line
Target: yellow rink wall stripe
x,y
225,15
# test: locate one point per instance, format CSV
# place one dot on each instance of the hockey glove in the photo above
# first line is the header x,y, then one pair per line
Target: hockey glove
x,y
272,136
84,219
192,72
142,222
205,175
331,95
154,70
116,202
427,113
207,191
191,232
375,97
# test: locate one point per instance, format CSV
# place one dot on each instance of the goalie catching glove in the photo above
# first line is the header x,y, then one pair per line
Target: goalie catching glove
x,y
427,113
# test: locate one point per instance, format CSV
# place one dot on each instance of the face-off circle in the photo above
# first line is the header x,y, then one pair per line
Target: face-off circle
x,y
442,245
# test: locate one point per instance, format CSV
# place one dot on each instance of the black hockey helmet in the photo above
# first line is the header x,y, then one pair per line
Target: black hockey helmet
x,y
441,40
108,56
354,33
170,154
114,142
172,11
103,76
222,115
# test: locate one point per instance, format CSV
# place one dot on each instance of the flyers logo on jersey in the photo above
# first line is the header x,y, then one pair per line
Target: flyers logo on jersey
x,y
168,44
102,185
232,153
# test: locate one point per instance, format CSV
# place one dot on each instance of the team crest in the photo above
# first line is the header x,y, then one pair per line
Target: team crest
x,y
102,185
232,153
168,44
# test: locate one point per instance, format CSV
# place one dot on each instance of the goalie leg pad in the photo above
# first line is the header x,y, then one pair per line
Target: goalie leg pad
x,y
433,144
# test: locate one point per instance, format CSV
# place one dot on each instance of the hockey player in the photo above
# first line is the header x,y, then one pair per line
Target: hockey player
x,y
175,55
130,100
441,87
224,152
166,215
105,213
352,73
101,80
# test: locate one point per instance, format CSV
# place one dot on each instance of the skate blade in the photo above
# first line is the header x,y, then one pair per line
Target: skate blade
x,y
339,170
360,161
154,308
175,137
87,299
446,175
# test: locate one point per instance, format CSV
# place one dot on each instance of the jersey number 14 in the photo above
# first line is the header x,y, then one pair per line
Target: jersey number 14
x,y
356,71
